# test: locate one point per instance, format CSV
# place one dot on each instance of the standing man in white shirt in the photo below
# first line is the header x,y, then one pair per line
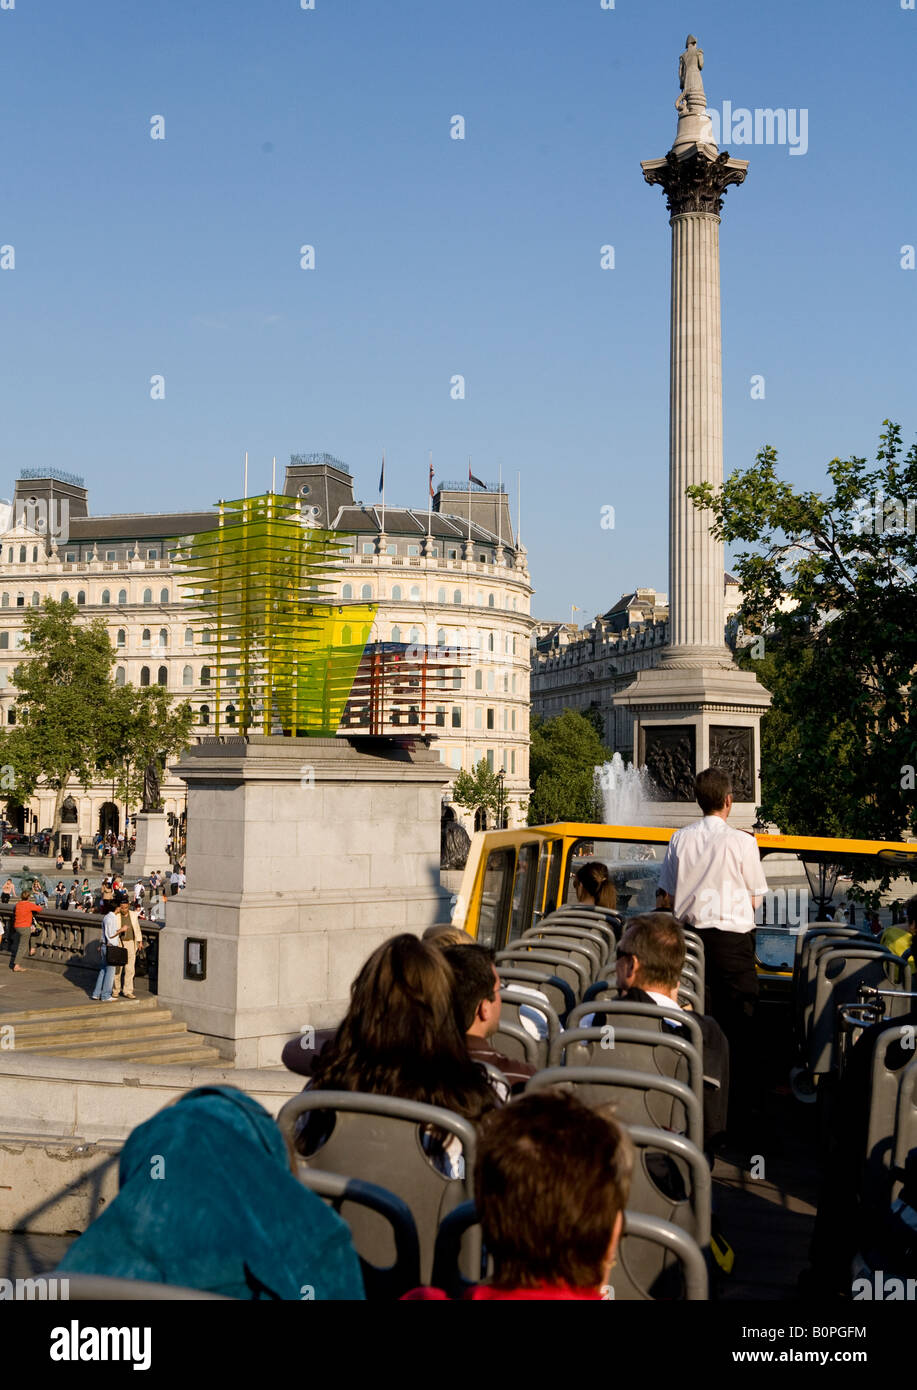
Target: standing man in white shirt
x,y
714,876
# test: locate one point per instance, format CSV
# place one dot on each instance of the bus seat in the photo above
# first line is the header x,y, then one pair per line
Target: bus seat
x,y
839,974
561,962
661,1053
558,993
340,1193
639,1098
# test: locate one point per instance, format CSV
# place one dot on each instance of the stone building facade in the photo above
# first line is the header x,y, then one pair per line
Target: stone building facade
x,y
437,578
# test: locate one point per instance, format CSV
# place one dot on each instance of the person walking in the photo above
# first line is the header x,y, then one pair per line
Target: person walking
x,y
131,940
174,880
111,936
23,913
714,876
7,891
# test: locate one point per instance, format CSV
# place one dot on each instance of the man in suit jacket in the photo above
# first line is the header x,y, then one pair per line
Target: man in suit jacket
x,y
651,957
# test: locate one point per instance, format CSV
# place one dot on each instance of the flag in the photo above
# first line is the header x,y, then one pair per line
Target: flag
x,y
382,476
473,479
432,494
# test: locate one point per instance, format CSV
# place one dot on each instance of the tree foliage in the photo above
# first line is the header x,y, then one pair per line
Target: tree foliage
x,y
72,721
565,751
479,788
830,583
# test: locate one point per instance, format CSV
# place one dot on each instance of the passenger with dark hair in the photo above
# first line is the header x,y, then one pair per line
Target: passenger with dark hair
x,y
551,1182
477,989
403,1036
651,957
593,887
714,876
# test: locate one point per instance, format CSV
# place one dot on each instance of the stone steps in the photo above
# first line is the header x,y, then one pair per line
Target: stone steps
x,y
135,1030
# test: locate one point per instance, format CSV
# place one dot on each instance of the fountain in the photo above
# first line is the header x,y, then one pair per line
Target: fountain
x,y
628,792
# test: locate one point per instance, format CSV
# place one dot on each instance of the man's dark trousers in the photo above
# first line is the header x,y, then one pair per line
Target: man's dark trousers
x,y
731,996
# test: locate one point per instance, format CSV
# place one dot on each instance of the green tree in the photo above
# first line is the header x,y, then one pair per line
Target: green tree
x,y
565,751
72,721
479,788
830,592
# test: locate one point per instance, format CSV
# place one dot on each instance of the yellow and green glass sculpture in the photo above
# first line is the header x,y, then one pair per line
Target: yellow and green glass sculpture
x,y
282,656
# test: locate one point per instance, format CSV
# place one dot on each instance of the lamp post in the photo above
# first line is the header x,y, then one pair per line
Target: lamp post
x,y
500,800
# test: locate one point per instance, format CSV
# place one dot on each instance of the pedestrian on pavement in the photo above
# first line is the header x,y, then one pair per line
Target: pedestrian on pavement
x,y
76,865
111,936
23,913
7,891
173,881
131,940
59,862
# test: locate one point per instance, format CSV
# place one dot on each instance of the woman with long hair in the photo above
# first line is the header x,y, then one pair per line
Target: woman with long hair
x,y
593,887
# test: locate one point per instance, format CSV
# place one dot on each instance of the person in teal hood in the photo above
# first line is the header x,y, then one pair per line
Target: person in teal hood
x,y
207,1200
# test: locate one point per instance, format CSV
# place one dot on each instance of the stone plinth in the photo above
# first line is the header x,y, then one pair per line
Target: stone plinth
x,y
150,849
303,855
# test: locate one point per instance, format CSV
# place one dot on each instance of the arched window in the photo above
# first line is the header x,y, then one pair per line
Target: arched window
x,y
148,595
20,600
144,675
346,636
366,591
81,596
22,554
440,596
396,634
119,675
441,637
106,596
36,599
189,637
205,675
230,714
163,596
5,601
121,638
163,677
34,554
65,597
456,596
490,601
347,591
205,714
187,676
163,637
396,593
479,680
490,642
122,596
11,715
145,637
415,592
206,638
415,635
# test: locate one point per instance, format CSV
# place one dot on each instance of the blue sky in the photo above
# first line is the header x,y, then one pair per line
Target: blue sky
x,y
437,257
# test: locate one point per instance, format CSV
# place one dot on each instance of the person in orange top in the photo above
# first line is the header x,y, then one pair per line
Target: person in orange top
x,y
23,913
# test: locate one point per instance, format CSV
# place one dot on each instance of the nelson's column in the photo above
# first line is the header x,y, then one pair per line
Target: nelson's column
x,y
696,709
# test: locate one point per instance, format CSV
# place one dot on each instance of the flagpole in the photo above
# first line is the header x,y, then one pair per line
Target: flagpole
x,y
500,508
430,501
383,492
274,474
245,476
518,508
469,499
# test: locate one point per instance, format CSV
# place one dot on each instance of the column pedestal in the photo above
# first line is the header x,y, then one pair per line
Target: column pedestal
x,y
303,856
150,849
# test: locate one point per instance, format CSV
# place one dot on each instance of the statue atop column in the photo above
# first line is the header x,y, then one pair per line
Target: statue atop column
x,y
689,78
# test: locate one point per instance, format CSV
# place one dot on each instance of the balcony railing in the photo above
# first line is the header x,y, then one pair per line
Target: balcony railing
x,y
73,940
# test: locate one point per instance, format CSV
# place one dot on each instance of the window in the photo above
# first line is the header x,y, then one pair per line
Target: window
x,y
455,758
441,637
453,554
109,554
233,671
366,591
369,547
189,637
346,635
122,596
65,597
490,642
81,596
163,596
205,714
456,716
479,599
148,595
145,637
478,718
187,676
163,637
10,555
206,637
415,592
119,675
440,716
34,554
20,600
144,675
513,720
121,639
506,685
491,682
506,644
5,601
22,554
483,559
163,677
490,759
4,640
391,550
70,556
36,599
347,591
230,714
457,678
514,683
415,635
205,675
11,715
396,634
514,646
456,596
514,605
413,549
106,596
440,596
490,601
479,680
151,555
490,719
512,761
396,593
3,680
